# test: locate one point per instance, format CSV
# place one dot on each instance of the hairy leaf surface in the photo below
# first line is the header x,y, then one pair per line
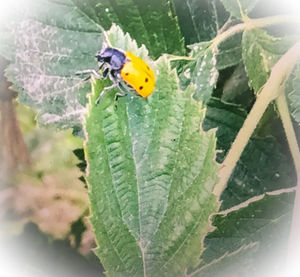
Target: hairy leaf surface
x,y
260,53
151,174
201,70
50,48
49,41
249,239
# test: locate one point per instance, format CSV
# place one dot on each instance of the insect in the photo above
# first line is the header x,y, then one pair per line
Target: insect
x,y
124,68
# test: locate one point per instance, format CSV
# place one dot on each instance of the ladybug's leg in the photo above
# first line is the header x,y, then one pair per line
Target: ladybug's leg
x,y
90,72
114,75
118,95
105,72
104,91
121,93
93,72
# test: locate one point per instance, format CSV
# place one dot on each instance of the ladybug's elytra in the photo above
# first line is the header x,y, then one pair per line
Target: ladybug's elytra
x,y
125,67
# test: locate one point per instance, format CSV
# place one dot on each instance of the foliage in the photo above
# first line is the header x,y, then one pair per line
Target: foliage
x,y
143,146
239,8
152,164
199,20
260,52
293,92
245,236
247,180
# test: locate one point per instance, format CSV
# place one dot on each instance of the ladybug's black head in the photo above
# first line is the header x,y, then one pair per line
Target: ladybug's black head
x,y
105,55
112,56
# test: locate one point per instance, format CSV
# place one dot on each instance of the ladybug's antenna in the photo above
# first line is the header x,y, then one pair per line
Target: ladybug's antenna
x,y
106,42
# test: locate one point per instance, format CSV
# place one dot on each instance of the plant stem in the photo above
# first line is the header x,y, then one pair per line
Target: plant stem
x,y
242,138
289,130
252,24
294,242
270,91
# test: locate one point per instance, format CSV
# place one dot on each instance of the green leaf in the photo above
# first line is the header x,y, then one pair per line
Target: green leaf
x,y
263,165
250,239
293,92
233,263
49,41
50,48
230,52
149,22
236,89
239,7
118,39
201,71
151,172
79,153
199,20
260,53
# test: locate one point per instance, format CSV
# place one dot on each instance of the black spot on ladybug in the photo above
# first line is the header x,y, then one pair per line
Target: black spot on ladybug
x,y
141,87
146,80
126,73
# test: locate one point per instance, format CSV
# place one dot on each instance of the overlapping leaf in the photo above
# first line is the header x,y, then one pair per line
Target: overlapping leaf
x,y
263,165
201,71
249,240
260,52
49,41
149,22
236,89
50,48
230,52
199,20
238,8
151,173
293,91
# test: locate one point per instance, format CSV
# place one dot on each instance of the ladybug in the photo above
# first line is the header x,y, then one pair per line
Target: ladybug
x,y
124,68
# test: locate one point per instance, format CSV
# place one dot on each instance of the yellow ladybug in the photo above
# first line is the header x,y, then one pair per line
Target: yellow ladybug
x,y
125,67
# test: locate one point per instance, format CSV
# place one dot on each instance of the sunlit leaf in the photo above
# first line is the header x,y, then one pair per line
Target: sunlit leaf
x,y
151,174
